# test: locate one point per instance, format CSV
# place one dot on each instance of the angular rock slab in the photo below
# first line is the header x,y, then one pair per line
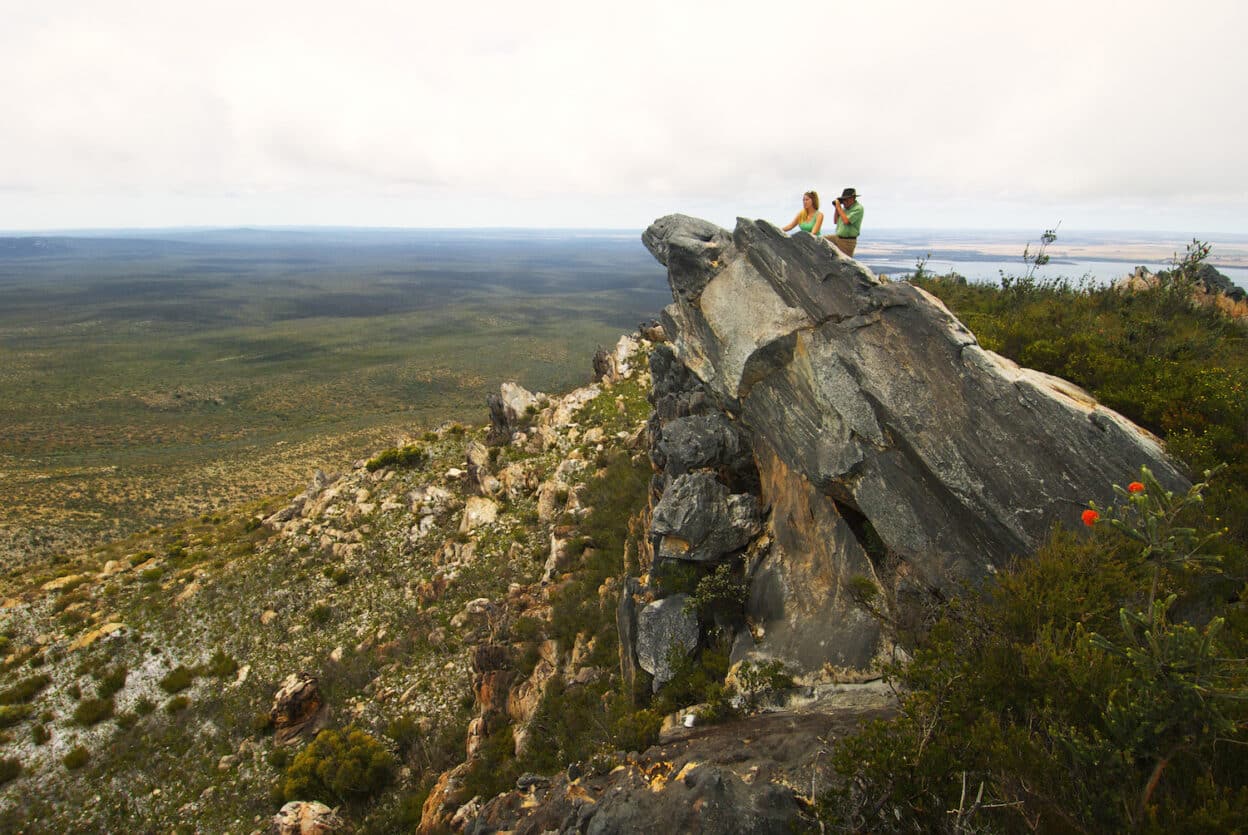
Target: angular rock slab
x,y
662,626
699,520
872,395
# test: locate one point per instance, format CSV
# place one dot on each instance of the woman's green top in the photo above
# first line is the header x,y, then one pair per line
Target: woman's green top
x,y
809,225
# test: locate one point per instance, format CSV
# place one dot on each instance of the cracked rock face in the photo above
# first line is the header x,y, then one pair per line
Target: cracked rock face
x,y
870,408
661,627
699,520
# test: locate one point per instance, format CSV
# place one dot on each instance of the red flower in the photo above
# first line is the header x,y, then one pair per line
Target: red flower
x,y
1090,517
1135,487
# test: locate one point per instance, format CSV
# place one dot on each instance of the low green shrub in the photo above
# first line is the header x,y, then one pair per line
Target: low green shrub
x,y
10,715
111,681
77,757
348,766
411,456
221,665
177,679
177,704
10,769
93,711
25,690
1072,694
39,734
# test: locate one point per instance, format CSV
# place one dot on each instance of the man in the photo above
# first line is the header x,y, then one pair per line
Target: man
x,y
848,222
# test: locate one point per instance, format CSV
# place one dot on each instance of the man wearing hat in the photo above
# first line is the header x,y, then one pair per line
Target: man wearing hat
x,y
848,222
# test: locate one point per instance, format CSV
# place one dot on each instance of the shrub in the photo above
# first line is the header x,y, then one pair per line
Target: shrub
x,y
177,704
93,711
1070,695
220,665
759,684
10,768
111,681
177,679
411,456
10,715
25,690
720,597
638,730
76,758
339,767
39,734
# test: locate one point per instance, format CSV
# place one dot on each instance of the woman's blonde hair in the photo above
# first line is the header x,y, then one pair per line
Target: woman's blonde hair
x,y
814,199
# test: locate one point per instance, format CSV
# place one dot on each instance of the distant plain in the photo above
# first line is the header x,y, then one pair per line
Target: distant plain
x,y
157,376
150,376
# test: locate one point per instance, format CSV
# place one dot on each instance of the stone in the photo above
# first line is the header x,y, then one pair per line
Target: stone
x,y
567,406
698,520
662,626
626,627
918,456
298,709
478,511
105,631
300,817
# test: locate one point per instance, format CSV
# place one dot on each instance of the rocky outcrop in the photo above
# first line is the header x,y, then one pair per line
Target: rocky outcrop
x,y
752,776
1209,288
298,709
307,818
665,627
699,520
889,444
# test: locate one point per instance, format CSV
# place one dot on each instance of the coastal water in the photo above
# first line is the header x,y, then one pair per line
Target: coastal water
x,y
979,269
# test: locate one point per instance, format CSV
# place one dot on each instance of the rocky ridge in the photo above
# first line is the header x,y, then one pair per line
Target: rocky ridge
x,y
382,598
805,426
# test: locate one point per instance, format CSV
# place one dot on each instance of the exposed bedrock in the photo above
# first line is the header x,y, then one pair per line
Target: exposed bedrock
x,y
888,443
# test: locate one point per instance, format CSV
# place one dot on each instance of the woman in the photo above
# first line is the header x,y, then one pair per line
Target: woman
x,y
809,219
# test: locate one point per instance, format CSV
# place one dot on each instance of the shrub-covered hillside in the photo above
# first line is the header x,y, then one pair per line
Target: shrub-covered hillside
x,y
1101,686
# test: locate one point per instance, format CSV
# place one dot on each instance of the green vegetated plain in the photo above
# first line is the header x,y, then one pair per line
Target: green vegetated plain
x,y
145,380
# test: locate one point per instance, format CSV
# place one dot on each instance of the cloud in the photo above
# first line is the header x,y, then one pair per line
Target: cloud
x,y
543,104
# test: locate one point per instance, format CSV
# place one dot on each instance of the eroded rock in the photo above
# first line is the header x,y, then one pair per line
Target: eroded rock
x,y
919,453
662,626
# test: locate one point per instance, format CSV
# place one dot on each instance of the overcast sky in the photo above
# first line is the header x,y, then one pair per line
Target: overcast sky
x,y
965,113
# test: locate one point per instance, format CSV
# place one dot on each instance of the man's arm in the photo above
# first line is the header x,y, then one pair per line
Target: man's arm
x,y
840,211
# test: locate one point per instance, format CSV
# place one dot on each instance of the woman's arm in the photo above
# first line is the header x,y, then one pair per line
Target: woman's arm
x,y
796,220
818,224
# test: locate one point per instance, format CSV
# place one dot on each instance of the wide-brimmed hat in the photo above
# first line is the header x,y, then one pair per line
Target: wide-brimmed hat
x,y
849,192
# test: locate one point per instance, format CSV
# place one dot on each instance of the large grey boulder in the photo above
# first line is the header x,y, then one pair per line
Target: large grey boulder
x,y
874,411
699,520
701,441
663,626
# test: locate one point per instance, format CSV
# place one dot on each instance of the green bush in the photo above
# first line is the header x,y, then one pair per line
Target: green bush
x,y
39,734
76,758
25,690
10,769
759,684
177,704
719,598
411,456
177,679
112,681
339,767
1071,695
220,665
637,730
93,711
10,715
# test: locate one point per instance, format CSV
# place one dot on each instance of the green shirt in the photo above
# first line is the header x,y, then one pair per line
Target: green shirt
x,y
851,229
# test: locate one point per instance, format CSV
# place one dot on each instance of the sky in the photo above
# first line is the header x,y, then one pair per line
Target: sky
x,y
963,114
